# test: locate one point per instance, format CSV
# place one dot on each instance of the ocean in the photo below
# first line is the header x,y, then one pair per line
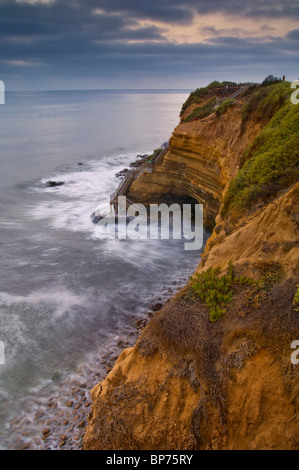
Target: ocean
x,y
68,299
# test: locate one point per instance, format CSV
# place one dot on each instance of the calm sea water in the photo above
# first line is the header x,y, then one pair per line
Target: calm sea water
x,y
63,293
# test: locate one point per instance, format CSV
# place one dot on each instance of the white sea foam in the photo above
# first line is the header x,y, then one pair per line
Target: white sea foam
x,y
61,299
69,206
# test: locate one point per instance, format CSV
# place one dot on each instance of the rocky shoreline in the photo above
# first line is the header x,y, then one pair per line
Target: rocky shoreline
x,y
140,160
61,407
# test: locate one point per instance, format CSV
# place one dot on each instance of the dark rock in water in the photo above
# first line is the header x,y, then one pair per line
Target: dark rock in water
x,y
95,218
54,183
142,156
136,164
122,173
80,163
157,307
57,376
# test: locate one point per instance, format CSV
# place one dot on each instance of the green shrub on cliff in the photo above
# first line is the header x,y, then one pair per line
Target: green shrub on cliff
x,y
296,299
215,291
265,101
200,93
271,161
271,99
223,108
202,111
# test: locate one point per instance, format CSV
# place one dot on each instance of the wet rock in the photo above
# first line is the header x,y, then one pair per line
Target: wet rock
x,y
121,344
95,218
45,436
52,405
21,445
57,376
122,173
136,164
15,421
25,446
53,184
39,415
141,323
157,306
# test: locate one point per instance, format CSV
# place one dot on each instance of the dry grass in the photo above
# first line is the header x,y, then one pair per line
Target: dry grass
x,y
205,354
209,351
114,418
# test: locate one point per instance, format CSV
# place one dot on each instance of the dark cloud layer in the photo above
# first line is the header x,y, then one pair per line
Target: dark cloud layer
x,y
104,41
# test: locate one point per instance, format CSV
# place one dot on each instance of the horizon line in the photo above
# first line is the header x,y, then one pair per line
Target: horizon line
x,y
102,90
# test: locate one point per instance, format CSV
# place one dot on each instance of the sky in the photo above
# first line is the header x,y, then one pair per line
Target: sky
x,y
145,44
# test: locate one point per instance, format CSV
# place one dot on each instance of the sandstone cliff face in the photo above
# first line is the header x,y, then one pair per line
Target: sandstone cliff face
x,y
270,234
192,384
203,157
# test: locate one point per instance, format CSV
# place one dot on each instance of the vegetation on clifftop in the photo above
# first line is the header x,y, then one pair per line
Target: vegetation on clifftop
x,y
223,108
264,101
271,162
200,93
202,111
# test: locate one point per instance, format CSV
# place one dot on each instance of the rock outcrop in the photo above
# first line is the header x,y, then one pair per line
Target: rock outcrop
x,y
203,157
192,384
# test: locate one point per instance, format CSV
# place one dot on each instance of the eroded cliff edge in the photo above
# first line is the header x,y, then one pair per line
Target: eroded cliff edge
x,y
193,383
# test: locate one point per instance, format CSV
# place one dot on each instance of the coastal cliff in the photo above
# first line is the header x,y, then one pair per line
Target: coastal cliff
x,y
206,373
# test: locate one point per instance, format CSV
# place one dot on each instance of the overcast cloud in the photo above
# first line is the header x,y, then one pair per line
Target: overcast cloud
x,y
74,44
